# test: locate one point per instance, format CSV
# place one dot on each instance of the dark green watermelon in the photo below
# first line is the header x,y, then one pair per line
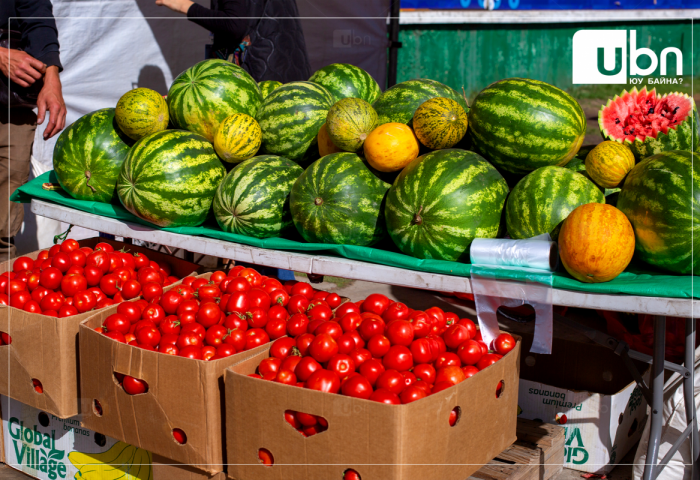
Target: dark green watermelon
x,y
169,178
339,200
202,96
399,103
89,154
520,125
661,198
544,198
442,201
347,81
253,198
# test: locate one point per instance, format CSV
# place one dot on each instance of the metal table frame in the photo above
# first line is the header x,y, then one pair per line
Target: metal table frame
x,y
352,269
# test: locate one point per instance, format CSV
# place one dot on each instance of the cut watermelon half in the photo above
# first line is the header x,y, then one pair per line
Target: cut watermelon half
x,y
649,124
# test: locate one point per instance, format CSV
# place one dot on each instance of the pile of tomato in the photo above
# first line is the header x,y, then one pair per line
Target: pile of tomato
x,y
69,279
381,350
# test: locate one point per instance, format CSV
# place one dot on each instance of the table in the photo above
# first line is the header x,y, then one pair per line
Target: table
x,y
352,269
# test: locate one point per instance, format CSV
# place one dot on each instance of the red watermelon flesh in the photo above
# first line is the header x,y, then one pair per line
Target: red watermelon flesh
x,y
637,115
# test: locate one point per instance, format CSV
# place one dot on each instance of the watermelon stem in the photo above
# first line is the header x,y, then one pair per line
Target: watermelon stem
x,y
88,175
417,219
318,201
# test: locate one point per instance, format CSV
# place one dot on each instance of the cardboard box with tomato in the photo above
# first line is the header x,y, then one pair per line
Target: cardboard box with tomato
x,y
46,447
378,441
44,349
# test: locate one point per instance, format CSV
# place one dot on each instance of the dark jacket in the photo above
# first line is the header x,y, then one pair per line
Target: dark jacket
x,y
39,35
277,48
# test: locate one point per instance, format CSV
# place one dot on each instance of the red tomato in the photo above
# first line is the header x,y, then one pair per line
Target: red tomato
x,y
297,324
52,301
119,337
32,306
224,350
93,275
282,347
375,303
38,293
398,358
357,386
153,312
323,381
49,278
130,310
451,373
99,259
238,302
371,369
425,372
411,394
209,314
333,300
279,297
400,332
286,377
72,284
447,359
117,323
344,309
323,348
61,261
439,323
469,370
346,343
170,325
131,289
297,304
290,363
371,327
276,328
151,291
341,364
208,291
192,352
237,284
455,335
488,360
148,336
234,322
331,328
22,264
169,349
396,311
187,306
378,346
306,367
392,381
215,335
384,396
504,343
257,317
84,301
303,288
469,325
235,338
469,352
148,274
66,311
422,351
188,340
18,299
269,366
255,337
253,277
303,342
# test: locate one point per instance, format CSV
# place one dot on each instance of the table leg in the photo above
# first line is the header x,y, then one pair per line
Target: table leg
x,y
657,393
689,394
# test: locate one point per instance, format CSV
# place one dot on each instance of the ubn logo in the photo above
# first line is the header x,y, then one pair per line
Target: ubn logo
x,y
600,56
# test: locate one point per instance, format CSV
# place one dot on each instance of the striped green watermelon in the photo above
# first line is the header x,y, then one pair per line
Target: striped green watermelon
x,y
542,200
521,125
649,124
399,103
267,86
203,95
169,178
253,198
89,154
290,118
442,201
347,81
141,112
338,200
661,198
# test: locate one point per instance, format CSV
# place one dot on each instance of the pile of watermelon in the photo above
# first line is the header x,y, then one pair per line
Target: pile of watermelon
x,y
335,160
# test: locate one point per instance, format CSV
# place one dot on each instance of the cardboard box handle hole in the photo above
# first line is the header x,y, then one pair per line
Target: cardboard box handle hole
x,y
265,457
97,407
38,387
351,474
180,436
455,415
306,424
500,388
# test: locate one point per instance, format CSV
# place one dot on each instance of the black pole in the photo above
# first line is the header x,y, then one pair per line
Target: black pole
x,y
394,43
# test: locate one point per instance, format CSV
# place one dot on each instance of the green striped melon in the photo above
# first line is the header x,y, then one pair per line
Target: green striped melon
x,y
202,96
442,201
238,138
89,154
608,164
542,200
648,123
400,102
339,200
169,178
267,86
440,123
140,112
290,118
661,198
347,81
253,198
349,122
520,125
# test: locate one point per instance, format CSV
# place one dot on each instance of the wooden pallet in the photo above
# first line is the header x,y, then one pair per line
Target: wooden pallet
x,y
538,454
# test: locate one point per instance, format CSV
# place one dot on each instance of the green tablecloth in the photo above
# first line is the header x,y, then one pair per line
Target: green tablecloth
x,y
638,279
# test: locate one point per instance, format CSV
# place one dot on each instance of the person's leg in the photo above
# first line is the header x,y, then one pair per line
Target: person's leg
x,y
16,138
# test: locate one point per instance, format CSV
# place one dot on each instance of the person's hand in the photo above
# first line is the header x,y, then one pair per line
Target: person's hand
x,y
180,6
20,67
51,99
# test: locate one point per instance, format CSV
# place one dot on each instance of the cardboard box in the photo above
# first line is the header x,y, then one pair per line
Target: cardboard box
x,y
45,348
182,393
379,441
604,408
49,448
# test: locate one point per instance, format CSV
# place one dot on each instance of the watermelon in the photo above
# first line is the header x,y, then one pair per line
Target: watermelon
x,y
140,112
400,102
542,200
202,96
649,124
169,178
442,201
349,122
238,138
89,154
440,123
347,81
267,86
339,200
290,118
521,125
661,198
253,198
